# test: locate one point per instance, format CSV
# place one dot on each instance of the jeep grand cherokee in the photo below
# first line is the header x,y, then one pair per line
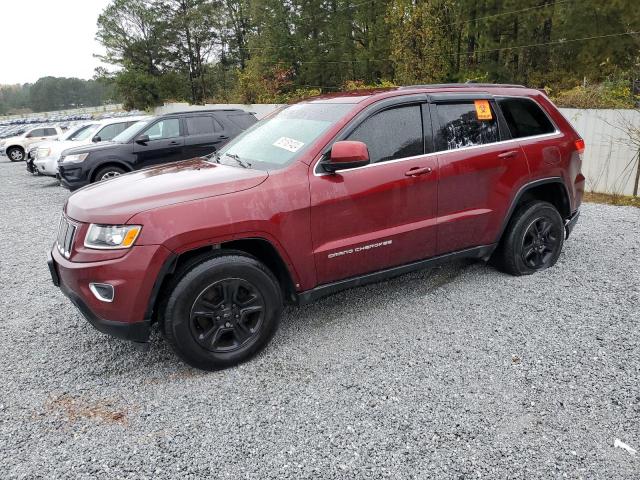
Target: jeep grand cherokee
x,y
323,195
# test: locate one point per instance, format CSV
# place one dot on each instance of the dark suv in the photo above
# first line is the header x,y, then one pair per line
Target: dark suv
x,y
326,194
168,138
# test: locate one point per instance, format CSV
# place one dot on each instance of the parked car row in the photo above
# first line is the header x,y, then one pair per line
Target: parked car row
x,y
43,157
17,126
97,150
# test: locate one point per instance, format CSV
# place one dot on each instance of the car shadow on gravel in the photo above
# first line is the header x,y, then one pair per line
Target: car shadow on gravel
x,y
53,183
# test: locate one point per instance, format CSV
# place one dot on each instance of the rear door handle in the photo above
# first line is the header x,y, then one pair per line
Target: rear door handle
x,y
223,137
174,143
509,154
414,172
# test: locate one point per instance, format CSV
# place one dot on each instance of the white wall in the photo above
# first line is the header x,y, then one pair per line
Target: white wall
x,y
610,162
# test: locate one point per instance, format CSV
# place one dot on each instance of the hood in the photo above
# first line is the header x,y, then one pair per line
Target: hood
x,y
116,201
63,145
16,138
93,147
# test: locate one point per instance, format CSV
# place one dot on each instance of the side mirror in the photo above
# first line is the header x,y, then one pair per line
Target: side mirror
x,y
96,139
142,139
347,154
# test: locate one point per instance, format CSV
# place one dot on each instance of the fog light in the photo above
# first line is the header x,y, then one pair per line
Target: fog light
x,y
102,291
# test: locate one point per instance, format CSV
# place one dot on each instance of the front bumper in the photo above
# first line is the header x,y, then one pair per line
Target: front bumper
x,y
31,168
73,176
133,277
570,223
47,166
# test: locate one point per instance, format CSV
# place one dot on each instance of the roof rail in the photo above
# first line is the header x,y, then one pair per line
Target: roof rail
x,y
461,85
202,110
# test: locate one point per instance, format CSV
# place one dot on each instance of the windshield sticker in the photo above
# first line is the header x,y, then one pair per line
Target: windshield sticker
x,y
288,144
483,110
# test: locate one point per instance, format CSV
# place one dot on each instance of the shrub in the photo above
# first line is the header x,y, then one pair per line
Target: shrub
x,y
605,95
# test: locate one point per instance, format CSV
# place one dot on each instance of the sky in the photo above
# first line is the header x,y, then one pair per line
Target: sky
x,y
42,38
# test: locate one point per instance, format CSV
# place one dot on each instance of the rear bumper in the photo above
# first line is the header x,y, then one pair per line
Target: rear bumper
x,y
133,276
570,223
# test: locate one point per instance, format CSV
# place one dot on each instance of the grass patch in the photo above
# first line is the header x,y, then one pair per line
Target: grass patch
x,y
623,200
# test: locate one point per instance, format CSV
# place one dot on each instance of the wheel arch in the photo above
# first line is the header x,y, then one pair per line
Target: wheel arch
x,y
16,145
256,247
552,190
112,162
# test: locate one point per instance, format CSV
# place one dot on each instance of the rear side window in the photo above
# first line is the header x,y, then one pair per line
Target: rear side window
x,y
392,134
201,125
524,117
110,131
466,125
242,120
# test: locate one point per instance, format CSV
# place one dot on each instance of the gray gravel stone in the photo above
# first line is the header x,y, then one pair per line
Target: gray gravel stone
x,y
456,372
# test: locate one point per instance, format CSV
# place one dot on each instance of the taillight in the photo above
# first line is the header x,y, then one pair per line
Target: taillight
x,y
580,146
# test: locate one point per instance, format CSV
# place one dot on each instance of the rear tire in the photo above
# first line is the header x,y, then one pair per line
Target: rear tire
x,y
222,311
108,173
533,240
15,154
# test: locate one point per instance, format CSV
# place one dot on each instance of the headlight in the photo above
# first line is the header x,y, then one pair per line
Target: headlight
x,y
107,237
2,142
74,158
42,152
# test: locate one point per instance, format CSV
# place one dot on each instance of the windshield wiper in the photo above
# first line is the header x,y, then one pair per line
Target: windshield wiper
x,y
237,159
215,156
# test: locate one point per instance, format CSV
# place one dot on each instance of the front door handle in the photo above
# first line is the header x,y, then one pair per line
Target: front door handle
x,y
223,137
414,172
509,154
174,143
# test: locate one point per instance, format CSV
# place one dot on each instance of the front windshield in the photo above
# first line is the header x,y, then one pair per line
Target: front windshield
x,y
82,133
128,133
277,140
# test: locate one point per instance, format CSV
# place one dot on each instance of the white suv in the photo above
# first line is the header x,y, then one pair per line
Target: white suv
x,y
45,160
16,147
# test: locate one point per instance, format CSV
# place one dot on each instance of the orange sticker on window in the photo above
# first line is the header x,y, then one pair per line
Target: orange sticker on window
x,y
483,110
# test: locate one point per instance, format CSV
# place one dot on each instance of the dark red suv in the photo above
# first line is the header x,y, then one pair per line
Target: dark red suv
x,y
322,195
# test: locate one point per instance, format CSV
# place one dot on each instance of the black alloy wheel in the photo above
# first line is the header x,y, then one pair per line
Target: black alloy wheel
x,y
539,243
227,315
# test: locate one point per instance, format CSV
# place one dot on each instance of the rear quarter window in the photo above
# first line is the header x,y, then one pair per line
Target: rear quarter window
x,y
524,117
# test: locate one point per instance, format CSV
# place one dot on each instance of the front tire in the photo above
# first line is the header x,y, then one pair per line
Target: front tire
x,y
15,154
222,311
533,240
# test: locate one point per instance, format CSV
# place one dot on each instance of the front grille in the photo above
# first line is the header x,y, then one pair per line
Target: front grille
x,y
66,234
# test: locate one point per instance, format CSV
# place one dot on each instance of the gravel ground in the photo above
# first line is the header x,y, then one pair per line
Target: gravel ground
x,y
457,372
